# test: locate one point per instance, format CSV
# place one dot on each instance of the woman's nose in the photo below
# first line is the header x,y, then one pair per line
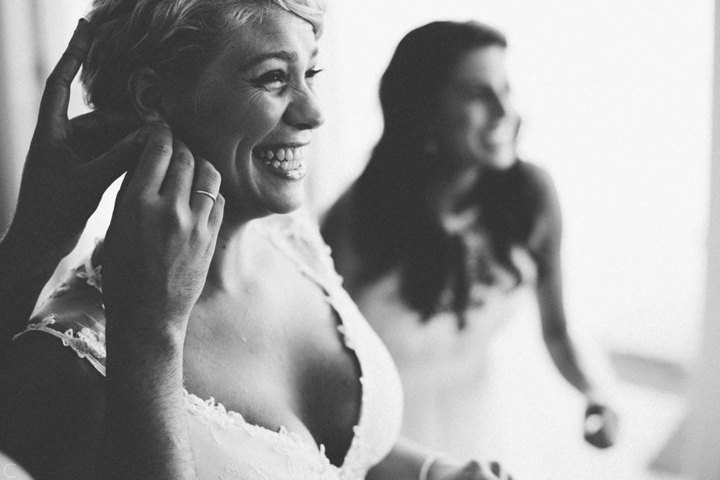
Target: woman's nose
x,y
500,106
304,111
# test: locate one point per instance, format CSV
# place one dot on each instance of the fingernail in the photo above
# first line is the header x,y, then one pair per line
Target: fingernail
x,y
82,25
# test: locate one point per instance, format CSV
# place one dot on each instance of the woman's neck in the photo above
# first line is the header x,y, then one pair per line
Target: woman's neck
x,y
451,191
233,258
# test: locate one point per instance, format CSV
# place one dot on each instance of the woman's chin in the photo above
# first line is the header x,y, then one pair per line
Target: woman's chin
x,y
285,208
503,163
286,201
277,190
502,159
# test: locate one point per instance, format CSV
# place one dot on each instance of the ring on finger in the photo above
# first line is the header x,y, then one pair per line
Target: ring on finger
x,y
208,194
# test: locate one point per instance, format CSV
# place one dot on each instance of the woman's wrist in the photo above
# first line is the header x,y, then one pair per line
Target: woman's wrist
x,y
597,396
151,331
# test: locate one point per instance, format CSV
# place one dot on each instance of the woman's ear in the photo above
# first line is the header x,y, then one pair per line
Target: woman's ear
x,y
146,95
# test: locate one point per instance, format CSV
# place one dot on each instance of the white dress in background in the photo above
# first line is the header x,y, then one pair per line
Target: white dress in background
x,y
449,404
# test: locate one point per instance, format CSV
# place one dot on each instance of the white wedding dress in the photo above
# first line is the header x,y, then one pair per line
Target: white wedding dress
x,y
225,446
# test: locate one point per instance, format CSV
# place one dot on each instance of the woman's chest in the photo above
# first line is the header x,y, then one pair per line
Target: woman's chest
x,y
273,353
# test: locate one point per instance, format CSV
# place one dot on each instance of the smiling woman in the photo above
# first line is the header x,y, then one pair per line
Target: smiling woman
x,y
249,110
447,233
207,337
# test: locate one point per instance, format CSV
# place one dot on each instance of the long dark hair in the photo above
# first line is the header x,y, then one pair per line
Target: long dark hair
x,y
393,224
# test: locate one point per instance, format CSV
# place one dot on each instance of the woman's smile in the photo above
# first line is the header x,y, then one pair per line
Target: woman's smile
x,y
287,161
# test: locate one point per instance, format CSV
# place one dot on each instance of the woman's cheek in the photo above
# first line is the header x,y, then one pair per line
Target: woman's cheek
x,y
270,112
478,117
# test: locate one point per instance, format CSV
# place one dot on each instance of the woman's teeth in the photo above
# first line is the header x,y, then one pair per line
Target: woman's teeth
x,y
283,159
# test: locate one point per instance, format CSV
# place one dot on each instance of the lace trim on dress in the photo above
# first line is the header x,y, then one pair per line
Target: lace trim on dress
x,y
90,345
360,447
217,413
307,241
92,274
87,343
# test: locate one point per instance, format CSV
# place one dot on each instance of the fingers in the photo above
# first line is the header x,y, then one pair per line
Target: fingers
x,y
98,120
600,426
206,186
167,168
123,156
179,177
92,134
216,215
498,471
56,96
154,160
205,198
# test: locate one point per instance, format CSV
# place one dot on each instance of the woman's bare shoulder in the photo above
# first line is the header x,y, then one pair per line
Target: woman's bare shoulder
x,y
539,180
50,408
544,241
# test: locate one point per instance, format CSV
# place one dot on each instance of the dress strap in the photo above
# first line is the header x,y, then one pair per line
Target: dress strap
x,y
75,314
298,238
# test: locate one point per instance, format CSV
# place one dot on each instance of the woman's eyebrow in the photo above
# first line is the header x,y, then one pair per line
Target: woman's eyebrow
x,y
285,55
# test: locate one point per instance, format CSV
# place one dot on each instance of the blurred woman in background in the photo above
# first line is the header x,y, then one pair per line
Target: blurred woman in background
x,y
446,230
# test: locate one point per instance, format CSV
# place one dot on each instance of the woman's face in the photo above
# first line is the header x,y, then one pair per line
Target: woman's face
x,y
476,124
254,113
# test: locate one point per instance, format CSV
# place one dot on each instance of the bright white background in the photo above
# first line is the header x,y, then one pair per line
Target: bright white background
x,y
615,98
616,101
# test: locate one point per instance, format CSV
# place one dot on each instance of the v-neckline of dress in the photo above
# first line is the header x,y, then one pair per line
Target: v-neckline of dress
x,y
224,416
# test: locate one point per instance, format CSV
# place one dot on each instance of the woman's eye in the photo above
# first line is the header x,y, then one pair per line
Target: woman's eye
x,y
272,79
481,93
310,76
312,72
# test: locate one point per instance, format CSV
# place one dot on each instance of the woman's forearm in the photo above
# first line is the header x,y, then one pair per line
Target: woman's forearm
x,y
600,419
566,359
561,347
146,421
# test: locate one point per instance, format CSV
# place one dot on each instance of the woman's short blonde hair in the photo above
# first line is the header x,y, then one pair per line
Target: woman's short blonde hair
x,y
176,38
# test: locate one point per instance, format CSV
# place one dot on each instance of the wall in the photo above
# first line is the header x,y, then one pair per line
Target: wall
x,y
702,451
19,98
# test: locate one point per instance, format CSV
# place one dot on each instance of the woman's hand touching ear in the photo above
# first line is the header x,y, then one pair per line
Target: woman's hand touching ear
x,y
69,166
161,239
60,187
